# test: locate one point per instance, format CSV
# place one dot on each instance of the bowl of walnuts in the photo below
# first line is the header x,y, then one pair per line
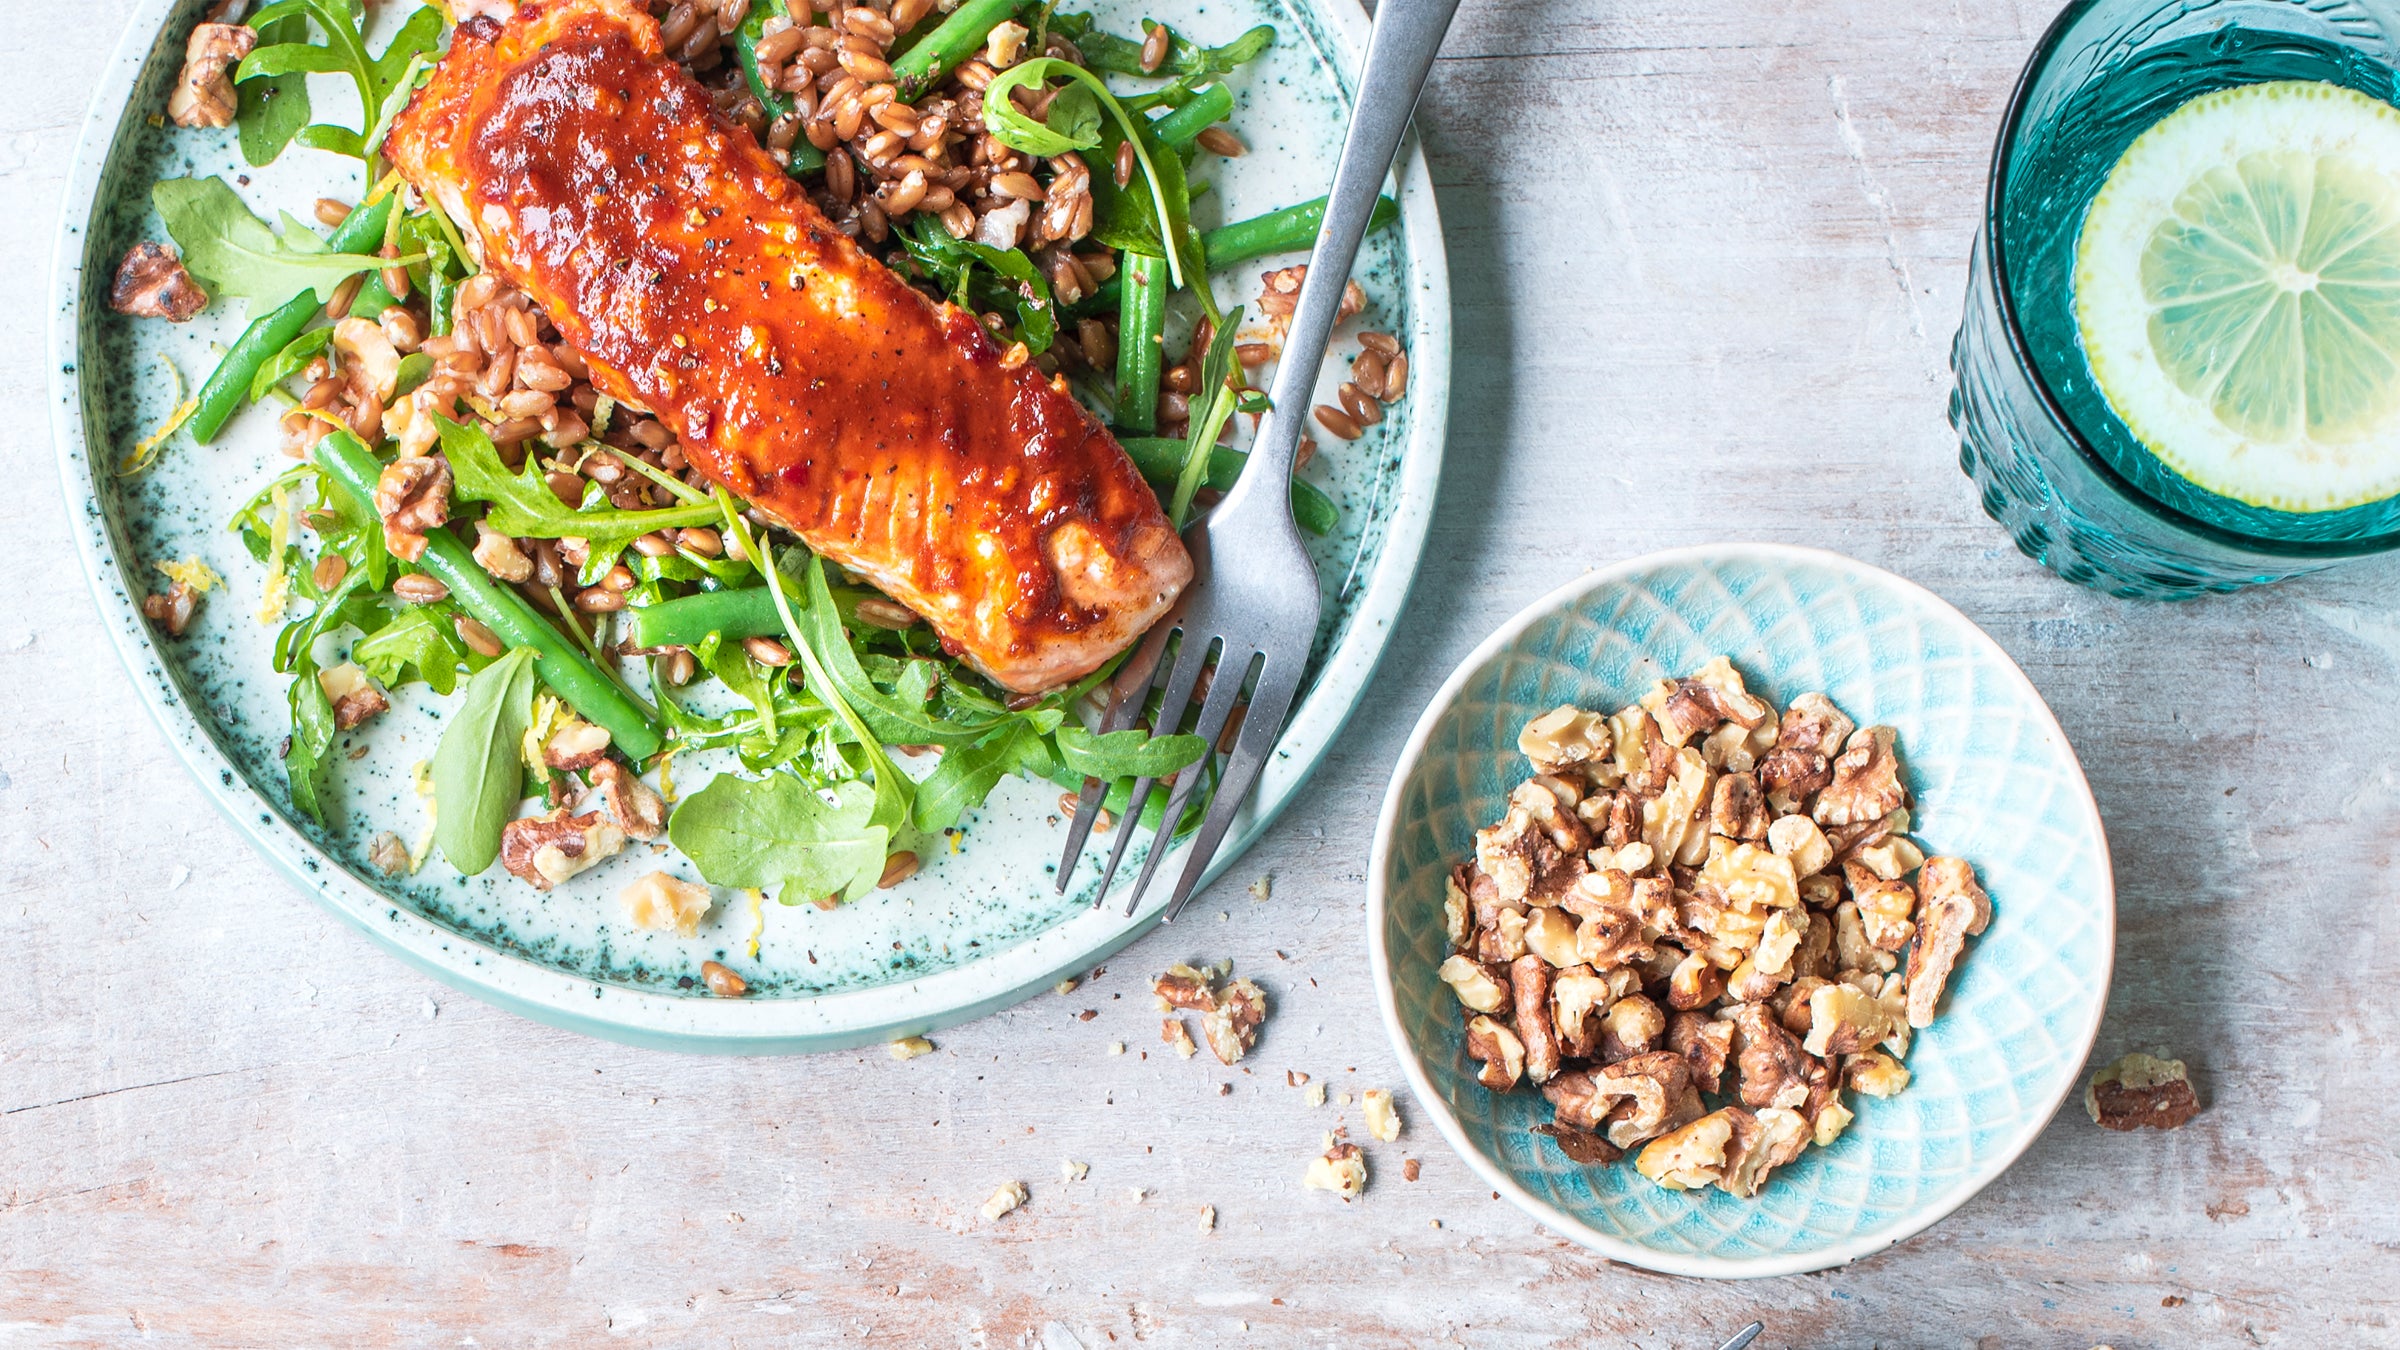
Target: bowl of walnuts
x,y
1740,910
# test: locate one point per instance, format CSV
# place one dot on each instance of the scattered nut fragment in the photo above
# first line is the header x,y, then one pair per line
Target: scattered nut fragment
x,y
909,1047
1066,986
1071,1170
2141,1091
1208,1218
664,903
1383,1122
546,850
1699,898
1232,1026
1177,1036
204,93
172,608
389,853
354,697
1181,986
1010,1195
1315,1095
1342,1170
151,283
412,496
1262,888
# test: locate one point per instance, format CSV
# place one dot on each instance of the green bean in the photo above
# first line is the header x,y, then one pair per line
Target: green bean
x,y
1141,333
805,157
917,69
1286,231
746,612
229,384
1180,128
373,298
563,667
1160,459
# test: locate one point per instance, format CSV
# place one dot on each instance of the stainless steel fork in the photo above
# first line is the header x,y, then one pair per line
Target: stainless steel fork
x,y
1251,611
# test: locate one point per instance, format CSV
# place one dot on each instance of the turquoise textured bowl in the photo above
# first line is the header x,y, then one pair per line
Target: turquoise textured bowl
x,y
1995,783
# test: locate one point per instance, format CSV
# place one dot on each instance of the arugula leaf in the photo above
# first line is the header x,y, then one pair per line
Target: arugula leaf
x,y
383,82
523,504
418,644
272,108
294,358
968,774
1131,753
234,253
304,755
1077,126
1013,279
745,677
1154,207
1216,385
477,777
904,716
776,831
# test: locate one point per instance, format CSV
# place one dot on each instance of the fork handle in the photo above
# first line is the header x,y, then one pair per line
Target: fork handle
x,y
1399,56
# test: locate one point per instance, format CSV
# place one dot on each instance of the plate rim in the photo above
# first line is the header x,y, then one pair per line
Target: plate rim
x,y
808,1024
1445,1121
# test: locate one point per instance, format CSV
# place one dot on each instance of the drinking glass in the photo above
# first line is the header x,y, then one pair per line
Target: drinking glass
x,y
2074,488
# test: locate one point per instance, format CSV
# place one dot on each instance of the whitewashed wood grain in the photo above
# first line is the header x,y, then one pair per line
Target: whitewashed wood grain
x,y
1708,259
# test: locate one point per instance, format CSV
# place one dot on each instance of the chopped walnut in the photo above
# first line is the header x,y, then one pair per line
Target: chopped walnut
x,y
1231,1027
1633,1025
575,744
389,853
1953,908
1477,987
499,555
1500,1052
1342,1170
1737,809
547,850
641,813
412,496
354,697
2141,1092
1183,987
204,94
151,283
1844,1021
1529,990
1797,840
172,608
1775,1069
1705,1043
1875,1074
1176,1036
1694,1156
1564,739
1884,907
1383,1122
665,903
1866,780
1005,1200
1695,884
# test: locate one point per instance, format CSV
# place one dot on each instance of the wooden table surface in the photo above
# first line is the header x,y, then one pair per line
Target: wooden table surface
x,y
1708,258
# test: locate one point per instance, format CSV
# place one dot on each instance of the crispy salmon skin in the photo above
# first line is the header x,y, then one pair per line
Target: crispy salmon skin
x,y
701,285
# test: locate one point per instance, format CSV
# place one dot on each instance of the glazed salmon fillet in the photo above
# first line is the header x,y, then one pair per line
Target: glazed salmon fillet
x,y
702,286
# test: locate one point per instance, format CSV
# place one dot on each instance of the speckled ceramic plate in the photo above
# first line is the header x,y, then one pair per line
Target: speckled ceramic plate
x,y
1995,783
976,929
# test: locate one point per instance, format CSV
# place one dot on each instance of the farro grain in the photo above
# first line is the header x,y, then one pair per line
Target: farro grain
x,y
653,545
1395,377
1360,404
767,651
1252,354
599,600
329,571
1154,47
419,589
1337,423
701,540
331,212
1381,343
1220,140
344,295
898,868
1366,371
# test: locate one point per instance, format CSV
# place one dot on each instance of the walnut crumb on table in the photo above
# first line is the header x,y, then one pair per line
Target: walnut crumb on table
x,y
2141,1092
1007,1198
1071,1170
1342,1170
909,1047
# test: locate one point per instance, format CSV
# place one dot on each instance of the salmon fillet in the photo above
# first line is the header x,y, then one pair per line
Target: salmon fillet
x,y
702,286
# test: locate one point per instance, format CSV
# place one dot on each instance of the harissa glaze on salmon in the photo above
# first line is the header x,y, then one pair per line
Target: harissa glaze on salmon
x,y
702,286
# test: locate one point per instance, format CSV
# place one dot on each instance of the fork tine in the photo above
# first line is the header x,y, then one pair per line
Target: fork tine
x,y
1190,659
1127,691
1223,693
1270,700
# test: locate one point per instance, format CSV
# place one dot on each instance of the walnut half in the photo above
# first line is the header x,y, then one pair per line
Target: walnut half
x,y
151,283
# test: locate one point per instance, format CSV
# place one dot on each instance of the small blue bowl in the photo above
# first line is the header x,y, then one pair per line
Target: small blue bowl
x,y
1995,783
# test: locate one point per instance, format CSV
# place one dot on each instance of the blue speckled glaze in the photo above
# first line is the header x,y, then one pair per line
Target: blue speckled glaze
x,y
982,924
1994,782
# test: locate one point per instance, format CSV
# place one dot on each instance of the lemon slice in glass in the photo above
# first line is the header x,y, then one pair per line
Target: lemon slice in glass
x,y
2237,287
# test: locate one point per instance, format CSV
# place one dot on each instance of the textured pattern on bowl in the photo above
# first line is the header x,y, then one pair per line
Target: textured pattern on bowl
x,y
982,925
1995,782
